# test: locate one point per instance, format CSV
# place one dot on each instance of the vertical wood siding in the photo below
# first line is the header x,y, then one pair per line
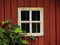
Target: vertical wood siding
x,y
8,10
52,22
2,10
47,22
14,11
58,21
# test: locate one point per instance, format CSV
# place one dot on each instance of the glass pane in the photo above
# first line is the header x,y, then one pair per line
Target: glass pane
x,y
24,15
25,27
36,15
35,27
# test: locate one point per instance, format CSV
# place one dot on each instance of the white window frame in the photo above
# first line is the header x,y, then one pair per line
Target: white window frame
x,y
30,22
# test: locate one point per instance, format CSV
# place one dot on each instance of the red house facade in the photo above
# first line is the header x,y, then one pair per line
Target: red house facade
x,y
9,10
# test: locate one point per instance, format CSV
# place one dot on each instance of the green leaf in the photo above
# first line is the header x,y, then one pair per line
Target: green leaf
x,y
10,26
6,40
2,32
18,30
5,22
24,42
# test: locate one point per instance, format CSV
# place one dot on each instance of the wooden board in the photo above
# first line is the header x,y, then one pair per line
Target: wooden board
x,y
27,3
40,3
14,11
33,3
58,21
52,23
47,22
20,3
7,10
2,10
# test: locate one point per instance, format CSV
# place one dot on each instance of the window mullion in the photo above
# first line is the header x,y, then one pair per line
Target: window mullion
x,y
30,21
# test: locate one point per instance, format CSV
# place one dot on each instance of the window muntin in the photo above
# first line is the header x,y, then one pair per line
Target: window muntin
x,y
31,20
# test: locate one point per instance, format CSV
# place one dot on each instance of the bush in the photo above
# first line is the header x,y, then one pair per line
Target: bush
x,y
13,35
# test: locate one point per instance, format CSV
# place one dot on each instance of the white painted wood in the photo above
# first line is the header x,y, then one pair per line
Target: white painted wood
x,y
30,20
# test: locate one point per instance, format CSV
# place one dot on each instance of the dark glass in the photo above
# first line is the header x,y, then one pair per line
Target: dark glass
x,y
36,15
35,27
24,15
25,27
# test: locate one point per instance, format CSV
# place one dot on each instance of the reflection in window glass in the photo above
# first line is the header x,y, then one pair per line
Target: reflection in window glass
x,y
35,27
36,15
24,15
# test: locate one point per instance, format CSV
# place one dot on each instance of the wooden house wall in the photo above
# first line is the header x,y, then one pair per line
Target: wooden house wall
x,y
8,10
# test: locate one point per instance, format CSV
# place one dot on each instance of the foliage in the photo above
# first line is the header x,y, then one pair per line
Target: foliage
x,y
13,36
32,37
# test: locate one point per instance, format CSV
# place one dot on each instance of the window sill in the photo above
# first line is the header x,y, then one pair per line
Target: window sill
x,y
34,34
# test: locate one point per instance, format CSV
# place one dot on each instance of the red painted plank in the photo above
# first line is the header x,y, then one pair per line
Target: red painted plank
x,y
7,10
26,3
20,3
28,39
1,10
39,3
34,42
40,40
14,11
46,23
52,23
58,20
33,3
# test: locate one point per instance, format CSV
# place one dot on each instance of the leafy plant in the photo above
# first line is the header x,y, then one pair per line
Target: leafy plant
x,y
13,36
32,37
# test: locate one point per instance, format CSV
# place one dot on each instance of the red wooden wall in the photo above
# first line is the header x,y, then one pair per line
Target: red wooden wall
x,y
8,10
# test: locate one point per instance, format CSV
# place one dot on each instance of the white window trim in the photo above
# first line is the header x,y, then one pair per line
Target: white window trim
x,y
41,20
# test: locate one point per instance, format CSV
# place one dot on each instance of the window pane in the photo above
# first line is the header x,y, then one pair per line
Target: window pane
x,y
25,27
36,15
35,27
24,15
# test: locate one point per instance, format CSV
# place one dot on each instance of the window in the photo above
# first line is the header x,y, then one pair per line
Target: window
x,y
31,20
